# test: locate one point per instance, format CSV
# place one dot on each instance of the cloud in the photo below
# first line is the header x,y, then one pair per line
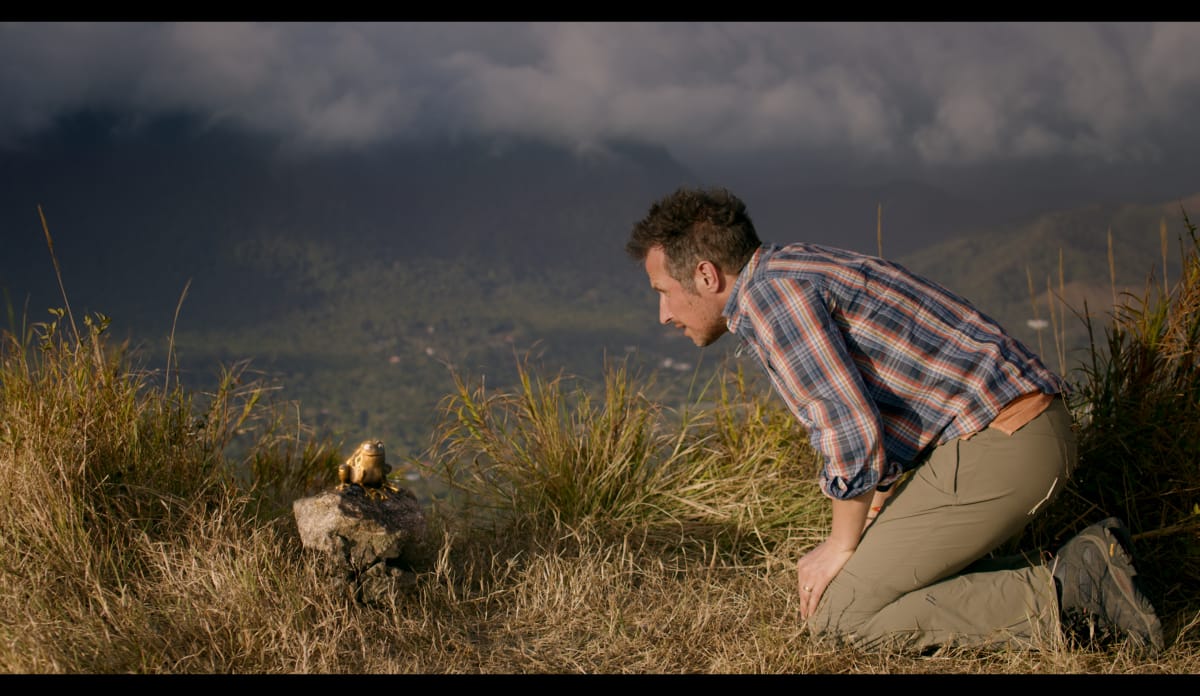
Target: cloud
x,y
930,93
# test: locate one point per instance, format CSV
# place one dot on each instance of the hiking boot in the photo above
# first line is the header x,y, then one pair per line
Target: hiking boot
x,y
1098,596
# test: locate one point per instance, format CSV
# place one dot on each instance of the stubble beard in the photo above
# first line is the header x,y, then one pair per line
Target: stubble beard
x,y
709,337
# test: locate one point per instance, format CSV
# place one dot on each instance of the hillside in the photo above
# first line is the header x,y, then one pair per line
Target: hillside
x,y
996,267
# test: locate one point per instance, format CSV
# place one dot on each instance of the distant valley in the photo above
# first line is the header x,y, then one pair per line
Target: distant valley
x,y
359,282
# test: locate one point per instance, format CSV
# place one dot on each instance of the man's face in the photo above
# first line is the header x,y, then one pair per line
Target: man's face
x,y
696,311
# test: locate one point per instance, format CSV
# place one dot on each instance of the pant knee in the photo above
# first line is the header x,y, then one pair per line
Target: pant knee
x,y
837,616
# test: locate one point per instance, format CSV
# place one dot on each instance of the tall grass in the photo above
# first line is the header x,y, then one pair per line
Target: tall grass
x,y
114,498
587,528
1137,406
118,502
558,452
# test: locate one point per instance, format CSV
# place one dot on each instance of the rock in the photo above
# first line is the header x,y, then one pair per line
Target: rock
x,y
375,544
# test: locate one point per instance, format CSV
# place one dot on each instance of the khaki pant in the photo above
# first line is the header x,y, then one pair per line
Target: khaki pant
x,y
911,583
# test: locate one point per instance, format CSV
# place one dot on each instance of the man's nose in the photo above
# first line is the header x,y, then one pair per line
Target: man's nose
x,y
664,314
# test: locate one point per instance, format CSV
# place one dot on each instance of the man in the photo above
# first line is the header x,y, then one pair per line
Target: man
x,y
941,436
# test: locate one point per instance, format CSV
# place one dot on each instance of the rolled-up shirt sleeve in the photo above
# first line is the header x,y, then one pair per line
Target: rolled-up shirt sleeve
x,y
806,356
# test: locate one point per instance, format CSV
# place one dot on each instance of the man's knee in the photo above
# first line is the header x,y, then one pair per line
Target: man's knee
x,y
838,615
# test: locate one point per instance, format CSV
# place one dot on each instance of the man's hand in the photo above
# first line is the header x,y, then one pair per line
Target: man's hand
x,y
815,570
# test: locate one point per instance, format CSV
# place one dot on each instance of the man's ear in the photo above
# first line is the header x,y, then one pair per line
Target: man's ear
x,y
708,277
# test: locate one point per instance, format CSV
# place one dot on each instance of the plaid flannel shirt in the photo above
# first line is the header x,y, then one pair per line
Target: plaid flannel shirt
x,y
877,363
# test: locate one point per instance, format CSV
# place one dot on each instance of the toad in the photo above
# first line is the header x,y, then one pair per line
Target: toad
x,y
366,468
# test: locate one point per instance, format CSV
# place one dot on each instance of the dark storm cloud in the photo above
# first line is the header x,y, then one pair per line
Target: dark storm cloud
x,y
936,93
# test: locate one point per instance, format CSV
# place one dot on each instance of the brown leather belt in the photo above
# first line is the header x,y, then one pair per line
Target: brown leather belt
x,y
1020,411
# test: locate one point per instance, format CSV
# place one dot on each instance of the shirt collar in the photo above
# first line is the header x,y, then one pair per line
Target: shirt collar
x,y
733,315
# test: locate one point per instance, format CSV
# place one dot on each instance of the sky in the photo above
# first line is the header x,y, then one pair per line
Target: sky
x,y
907,97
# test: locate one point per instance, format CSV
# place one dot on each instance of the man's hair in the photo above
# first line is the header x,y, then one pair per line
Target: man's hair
x,y
694,225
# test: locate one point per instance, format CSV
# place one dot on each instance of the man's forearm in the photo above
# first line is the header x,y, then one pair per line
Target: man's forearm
x,y
849,519
877,502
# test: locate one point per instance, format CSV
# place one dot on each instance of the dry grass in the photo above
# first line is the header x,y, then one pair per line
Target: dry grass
x,y
156,578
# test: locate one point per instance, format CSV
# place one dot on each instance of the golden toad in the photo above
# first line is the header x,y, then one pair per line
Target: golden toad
x,y
366,467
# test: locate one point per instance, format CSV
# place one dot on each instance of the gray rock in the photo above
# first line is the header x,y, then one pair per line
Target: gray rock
x,y
375,544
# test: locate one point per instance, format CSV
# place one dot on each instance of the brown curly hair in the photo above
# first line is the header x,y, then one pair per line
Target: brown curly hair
x,y
693,225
